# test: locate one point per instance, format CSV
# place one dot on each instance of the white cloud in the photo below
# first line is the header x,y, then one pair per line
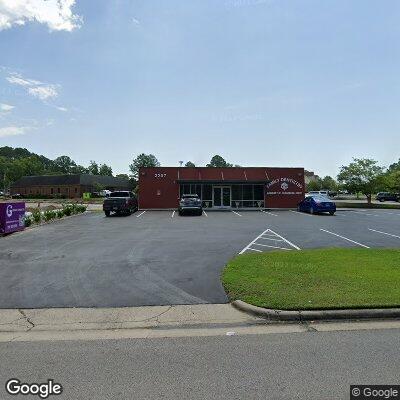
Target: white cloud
x,y
135,21
56,14
13,130
42,91
65,109
5,108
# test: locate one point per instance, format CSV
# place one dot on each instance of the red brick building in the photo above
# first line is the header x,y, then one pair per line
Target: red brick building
x,y
68,186
219,188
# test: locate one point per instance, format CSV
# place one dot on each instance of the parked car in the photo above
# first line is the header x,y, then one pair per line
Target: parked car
x,y
317,192
190,203
105,193
386,196
121,202
317,204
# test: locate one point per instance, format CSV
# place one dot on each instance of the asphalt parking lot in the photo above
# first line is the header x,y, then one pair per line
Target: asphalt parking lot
x,y
159,258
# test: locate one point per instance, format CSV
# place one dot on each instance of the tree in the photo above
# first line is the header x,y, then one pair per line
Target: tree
x,y
105,170
123,176
190,164
79,169
93,168
329,183
142,160
315,184
64,164
362,175
392,181
218,162
394,167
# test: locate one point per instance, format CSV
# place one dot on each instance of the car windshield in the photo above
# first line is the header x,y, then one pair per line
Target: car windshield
x,y
119,194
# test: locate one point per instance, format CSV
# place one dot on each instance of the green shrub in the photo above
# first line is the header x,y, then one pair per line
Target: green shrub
x,y
28,221
67,210
36,215
60,213
80,208
49,215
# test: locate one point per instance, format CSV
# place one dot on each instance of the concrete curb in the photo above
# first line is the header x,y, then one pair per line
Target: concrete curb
x,y
314,315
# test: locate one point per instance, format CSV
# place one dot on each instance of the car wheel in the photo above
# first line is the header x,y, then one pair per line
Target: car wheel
x,y
201,212
129,212
107,213
180,213
312,210
332,212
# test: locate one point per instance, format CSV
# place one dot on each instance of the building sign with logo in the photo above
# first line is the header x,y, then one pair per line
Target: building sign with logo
x,y
12,217
284,186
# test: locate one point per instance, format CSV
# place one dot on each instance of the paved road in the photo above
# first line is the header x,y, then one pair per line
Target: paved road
x,y
312,365
156,259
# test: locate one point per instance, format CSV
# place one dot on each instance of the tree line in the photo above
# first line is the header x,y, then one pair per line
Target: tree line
x,y
18,162
362,175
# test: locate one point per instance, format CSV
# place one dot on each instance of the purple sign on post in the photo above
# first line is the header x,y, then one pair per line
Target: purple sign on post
x,y
12,217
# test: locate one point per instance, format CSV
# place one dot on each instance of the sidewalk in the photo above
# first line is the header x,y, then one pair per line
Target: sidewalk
x,y
14,322
61,324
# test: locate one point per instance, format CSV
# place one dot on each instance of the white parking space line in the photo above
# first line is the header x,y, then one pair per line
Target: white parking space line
x,y
301,213
205,213
237,213
273,247
269,232
173,213
137,216
269,213
384,233
253,250
255,240
271,238
364,213
345,238
287,241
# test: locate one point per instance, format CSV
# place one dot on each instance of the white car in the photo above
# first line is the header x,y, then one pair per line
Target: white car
x,y
320,192
105,193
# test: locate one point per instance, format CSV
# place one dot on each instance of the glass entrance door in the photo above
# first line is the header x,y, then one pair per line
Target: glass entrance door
x,y
221,196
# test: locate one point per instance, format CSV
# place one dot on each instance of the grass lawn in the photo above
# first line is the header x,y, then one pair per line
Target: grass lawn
x,y
316,279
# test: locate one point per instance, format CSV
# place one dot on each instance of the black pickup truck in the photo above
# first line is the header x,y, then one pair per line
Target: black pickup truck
x,y
122,202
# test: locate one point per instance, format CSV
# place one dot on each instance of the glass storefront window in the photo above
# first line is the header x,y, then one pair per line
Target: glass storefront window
x,y
207,192
246,196
258,192
247,192
237,192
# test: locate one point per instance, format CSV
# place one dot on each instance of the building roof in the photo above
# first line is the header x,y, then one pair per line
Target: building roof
x,y
79,179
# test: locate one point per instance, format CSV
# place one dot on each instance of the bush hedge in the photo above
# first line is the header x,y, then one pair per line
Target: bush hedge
x,y
67,210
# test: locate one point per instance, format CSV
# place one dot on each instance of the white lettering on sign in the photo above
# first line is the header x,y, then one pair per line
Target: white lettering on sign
x,y
285,183
160,175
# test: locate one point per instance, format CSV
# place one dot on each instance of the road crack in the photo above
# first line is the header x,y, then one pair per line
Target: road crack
x,y
28,320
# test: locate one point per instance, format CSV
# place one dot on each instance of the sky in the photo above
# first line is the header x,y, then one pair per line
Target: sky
x,y
302,83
